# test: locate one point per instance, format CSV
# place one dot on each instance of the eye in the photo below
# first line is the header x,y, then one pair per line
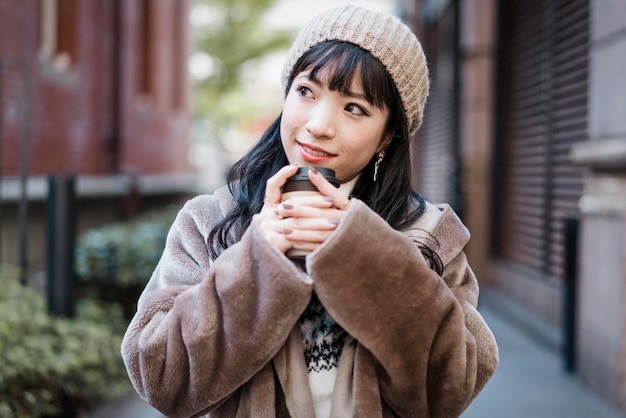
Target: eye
x,y
355,109
304,91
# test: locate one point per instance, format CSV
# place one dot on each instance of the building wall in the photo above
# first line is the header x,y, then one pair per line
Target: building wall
x,y
478,26
87,116
601,290
75,99
153,133
16,45
66,109
71,110
602,280
452,151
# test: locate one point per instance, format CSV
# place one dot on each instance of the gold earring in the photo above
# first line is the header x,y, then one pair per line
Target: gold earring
x,y
379,159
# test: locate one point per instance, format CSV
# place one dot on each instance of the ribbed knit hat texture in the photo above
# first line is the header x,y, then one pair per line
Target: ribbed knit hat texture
x,y
385,37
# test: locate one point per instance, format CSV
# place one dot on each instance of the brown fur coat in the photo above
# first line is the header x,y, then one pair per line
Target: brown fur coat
x,y
221,336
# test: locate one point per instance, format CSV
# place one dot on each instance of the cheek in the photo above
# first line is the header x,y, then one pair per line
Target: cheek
x,y
364,144
358,153
289,105
287,128
286,117
293,116
284,136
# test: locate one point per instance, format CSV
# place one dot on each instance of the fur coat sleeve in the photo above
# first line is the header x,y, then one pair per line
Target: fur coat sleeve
x,y
206,331
202,328
426,342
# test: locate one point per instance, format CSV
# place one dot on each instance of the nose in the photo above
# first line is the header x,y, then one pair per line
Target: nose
x,y
321,122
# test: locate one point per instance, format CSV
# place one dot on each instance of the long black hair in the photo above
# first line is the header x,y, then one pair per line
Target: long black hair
x,y
391,195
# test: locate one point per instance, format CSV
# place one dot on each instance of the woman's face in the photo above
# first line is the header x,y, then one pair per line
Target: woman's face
x,y
331,129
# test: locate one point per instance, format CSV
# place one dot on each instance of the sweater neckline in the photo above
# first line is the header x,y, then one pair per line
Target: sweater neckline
x,y
347,187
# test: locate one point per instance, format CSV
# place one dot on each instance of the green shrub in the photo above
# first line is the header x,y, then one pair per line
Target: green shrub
x,y
55,366
114,262
124,252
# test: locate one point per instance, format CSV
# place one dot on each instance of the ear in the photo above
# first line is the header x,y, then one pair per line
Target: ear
x,y
384,143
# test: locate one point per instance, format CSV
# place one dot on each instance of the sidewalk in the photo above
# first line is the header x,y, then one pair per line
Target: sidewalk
x,y
530,381
129,406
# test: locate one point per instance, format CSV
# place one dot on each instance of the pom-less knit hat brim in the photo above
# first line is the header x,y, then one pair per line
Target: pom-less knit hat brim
x,y
382,35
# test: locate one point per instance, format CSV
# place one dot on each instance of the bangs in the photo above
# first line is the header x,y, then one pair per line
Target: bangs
x,y
342,60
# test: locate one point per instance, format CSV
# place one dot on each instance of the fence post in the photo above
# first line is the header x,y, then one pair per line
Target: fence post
x,y
570,225
61,234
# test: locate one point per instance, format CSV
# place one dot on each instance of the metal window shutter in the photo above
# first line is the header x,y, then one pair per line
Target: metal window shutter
x,y
543,97
569,120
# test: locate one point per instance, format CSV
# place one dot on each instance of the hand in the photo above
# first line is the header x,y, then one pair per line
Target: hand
x,y
270,222
315,217
301,222
339,200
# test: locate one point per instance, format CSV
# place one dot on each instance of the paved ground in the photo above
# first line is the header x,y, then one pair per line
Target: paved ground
x,y
529,383
130,406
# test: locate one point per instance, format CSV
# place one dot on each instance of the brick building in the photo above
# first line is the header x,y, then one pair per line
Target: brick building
x,y
97,90
524,133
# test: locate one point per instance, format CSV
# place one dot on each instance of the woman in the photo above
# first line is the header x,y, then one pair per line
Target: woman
x,y
380,319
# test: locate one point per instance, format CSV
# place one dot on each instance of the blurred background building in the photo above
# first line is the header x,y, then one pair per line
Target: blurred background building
x,y
96,90
525,134
145,102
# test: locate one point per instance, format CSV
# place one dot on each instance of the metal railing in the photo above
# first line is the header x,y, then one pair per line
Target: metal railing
x,y
10,69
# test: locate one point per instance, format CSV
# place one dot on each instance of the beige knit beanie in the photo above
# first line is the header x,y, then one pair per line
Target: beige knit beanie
x,y
382,35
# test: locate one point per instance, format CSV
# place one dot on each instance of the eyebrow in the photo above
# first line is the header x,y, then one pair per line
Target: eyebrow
x,y
317,81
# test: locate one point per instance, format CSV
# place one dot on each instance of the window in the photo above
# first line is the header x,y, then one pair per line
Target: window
x,y
543,88
58,44
179,63
145,72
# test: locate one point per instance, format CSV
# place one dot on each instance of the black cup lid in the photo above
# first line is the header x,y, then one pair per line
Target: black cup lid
x,y
300,180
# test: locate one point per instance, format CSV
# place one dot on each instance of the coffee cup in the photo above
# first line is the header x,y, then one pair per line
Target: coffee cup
x,y
299,185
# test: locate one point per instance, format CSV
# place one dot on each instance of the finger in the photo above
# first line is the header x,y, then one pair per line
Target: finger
x,y
274,183
294,205
306,240
311,224
301,214
305,246
273,230
339,200
279,240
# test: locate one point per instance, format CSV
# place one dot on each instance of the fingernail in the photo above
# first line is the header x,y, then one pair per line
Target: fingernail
x,y
287,231
313,170
287,206
334,221
328,198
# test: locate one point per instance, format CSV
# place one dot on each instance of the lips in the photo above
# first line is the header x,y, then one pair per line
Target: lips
x,y
314,151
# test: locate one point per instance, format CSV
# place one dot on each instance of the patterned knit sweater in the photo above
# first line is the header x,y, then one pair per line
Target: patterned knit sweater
x,y
323,340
